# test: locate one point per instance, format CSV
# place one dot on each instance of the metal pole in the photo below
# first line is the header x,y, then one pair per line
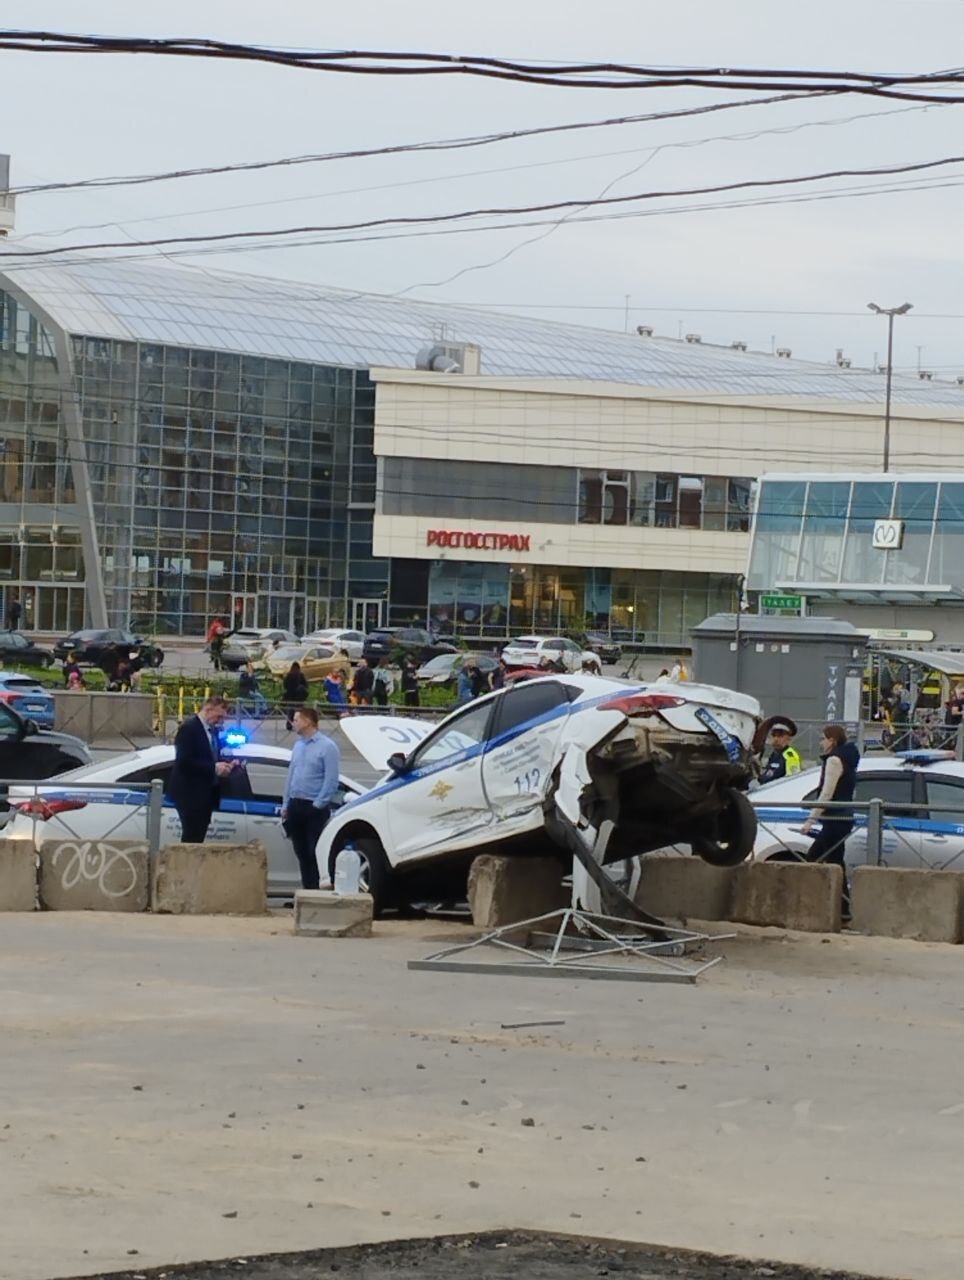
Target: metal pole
x,y
875,825
155,802
890,373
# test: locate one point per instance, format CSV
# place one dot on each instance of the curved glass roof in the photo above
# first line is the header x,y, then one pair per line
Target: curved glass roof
x,y
192,307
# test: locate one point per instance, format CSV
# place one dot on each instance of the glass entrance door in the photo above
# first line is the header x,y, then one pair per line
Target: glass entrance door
x,y
316,615
366,615
283,611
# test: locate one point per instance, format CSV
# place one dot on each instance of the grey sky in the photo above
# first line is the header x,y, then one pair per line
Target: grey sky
x,y
77,116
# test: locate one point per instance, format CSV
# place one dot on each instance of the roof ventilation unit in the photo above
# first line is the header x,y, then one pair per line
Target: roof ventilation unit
x,y
784,353
644,330
842,361
925,375
450,357
739,345
694,337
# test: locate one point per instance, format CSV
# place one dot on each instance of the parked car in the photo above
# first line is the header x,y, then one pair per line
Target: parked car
x,y
395,643
15,647
27,751
532,651
444,669
250,644
530,768
317,661
249,808
351,641
605,647
30,699
90,647
927,838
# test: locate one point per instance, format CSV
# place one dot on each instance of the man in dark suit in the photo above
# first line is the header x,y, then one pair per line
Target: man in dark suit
x,y
198,768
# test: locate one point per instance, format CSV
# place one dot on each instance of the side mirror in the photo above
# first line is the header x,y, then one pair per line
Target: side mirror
x,y
30,728
398,763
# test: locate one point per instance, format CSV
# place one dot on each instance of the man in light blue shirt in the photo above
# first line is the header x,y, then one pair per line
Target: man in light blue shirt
x,y
309,788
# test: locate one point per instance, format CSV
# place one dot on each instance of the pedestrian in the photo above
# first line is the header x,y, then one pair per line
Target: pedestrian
x,y
839,760
784,759
410,681
216,636
71,666
463,685
363,684
497,678
334,686
109,662
123,676
678,672
198,769
294,690
14,613
75,682
381,684
478,679
309,789
250,696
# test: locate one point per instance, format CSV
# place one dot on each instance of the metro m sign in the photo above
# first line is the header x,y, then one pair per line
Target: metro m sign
x,y
888,535
478,541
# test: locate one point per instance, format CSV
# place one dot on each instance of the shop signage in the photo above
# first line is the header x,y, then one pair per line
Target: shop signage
x,y
478,541
781,603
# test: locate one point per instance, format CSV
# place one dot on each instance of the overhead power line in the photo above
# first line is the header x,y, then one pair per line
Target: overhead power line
x,y
402,148
14,253
582,75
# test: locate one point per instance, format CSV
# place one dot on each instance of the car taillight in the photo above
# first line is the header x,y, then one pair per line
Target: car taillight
x,y
643,704
38,807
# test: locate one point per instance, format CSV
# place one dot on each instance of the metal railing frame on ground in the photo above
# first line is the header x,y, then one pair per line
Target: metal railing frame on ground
x,y
152,804
878,821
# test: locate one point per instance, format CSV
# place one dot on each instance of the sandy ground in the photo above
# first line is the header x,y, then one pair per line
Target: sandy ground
x,y
186,1089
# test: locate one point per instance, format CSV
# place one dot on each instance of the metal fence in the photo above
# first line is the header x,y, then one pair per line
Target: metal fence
x,y
138,804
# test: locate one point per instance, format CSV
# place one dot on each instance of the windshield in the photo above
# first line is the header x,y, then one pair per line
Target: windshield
x,y
444,662
288,652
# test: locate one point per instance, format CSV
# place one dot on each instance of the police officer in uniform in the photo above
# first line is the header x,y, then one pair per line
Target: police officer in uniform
x,y
784,759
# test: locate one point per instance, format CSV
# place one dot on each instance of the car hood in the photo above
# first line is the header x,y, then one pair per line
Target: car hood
x,y
375,738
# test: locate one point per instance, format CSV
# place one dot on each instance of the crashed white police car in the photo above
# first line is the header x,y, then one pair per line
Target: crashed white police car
x,y
619,768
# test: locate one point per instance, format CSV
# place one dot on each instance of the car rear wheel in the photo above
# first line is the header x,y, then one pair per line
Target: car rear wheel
x,y
157,657
736,833
376,875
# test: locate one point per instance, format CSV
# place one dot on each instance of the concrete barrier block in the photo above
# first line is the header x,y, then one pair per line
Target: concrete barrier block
x,y
319,913
94,875
211,880
18,876
905,902
685,887
505,890
793,895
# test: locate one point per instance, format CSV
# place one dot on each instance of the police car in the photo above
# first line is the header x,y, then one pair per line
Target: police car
x,y
930,838
249,809
640,766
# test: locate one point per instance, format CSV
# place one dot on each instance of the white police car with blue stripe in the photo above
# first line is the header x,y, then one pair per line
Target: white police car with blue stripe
x,y
931,837
249,806
640,766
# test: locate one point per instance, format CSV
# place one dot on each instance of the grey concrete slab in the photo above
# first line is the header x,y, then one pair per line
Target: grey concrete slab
x,y
192,1088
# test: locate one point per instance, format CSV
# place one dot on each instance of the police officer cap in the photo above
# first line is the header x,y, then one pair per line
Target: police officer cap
x,y
783,726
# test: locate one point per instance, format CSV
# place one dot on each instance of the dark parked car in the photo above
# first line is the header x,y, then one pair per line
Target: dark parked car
x,y
396,643
15,647
90,647
32,753
598,642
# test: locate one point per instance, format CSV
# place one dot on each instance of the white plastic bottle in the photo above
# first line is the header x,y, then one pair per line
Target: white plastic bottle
x,y
348,870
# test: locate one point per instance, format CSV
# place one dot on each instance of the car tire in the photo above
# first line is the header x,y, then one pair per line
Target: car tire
x,y
157,657
736,833
376,874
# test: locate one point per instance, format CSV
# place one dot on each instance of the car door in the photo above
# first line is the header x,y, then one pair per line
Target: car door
x,y
440,800
900,842
262,810
571,655
170,822
523,746
942,828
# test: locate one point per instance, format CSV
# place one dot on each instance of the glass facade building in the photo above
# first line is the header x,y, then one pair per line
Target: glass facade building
x,y
178,444
820,535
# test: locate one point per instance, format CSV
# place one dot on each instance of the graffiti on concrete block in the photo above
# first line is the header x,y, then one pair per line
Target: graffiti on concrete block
x,y
112,870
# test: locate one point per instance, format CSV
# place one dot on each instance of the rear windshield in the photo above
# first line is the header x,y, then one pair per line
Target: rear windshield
x,y
524,642
24,684
381,635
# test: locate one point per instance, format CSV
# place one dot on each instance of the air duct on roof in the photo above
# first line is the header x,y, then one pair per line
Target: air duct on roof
x,y
739,345
450,357
644,330
784,353
694,337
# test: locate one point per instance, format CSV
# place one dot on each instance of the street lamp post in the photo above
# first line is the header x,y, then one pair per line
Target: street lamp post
x,y
889,312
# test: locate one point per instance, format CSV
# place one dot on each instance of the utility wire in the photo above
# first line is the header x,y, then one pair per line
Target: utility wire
x,y
493,211
584,75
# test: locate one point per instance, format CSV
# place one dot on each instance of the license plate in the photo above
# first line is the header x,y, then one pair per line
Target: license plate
x,y
36,706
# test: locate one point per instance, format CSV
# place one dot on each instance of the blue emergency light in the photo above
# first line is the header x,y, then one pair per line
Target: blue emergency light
x,y
234,738
924,755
